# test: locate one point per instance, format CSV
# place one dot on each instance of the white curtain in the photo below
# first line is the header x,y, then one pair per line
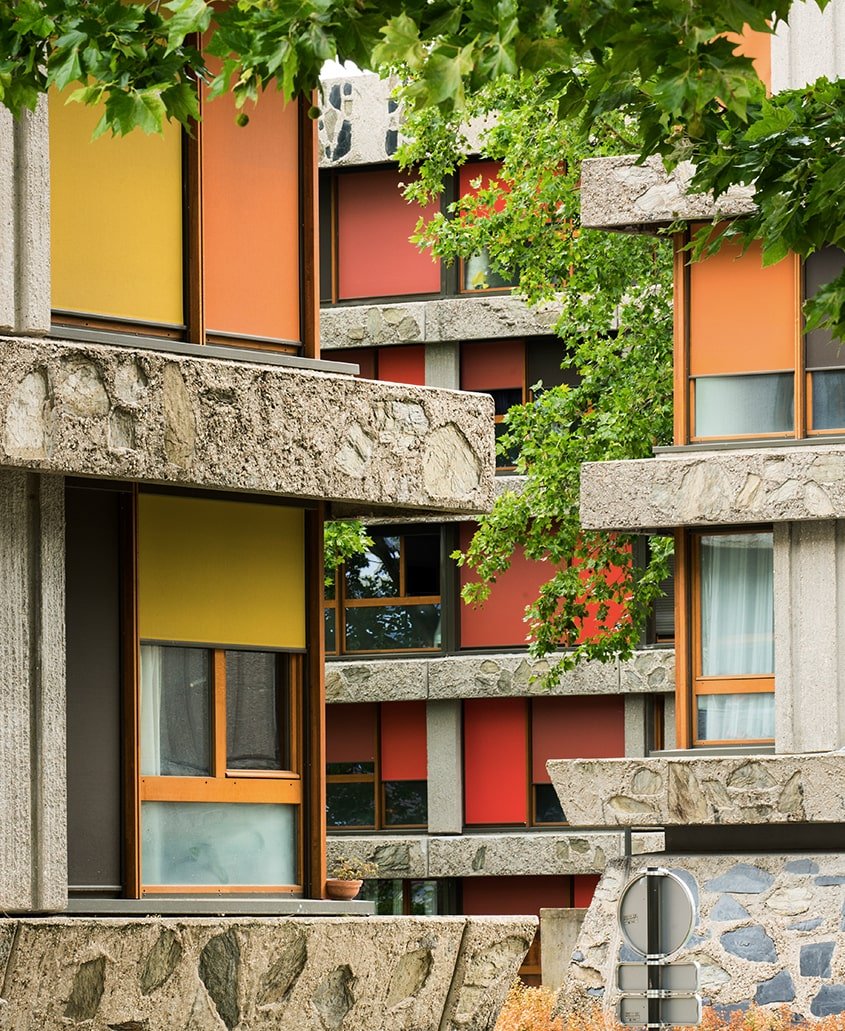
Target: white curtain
x,y
151,685
736,717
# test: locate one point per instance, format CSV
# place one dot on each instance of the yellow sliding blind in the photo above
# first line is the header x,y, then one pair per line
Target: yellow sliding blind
x,y
116,218
221,572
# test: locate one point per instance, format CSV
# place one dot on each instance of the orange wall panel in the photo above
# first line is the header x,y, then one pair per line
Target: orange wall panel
x,y
575,728
402,364
251,221
757,46
743,317
495,761
403,741
351,733
492,365
374,254
514,896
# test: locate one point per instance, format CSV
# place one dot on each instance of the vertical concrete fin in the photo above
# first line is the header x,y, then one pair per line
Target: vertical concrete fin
x,y
8,221
32,202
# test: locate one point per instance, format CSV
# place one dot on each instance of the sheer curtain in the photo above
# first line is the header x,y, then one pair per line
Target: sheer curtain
x,y
151,683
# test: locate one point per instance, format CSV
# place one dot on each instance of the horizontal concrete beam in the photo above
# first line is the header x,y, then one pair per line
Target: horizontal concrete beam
x,y
617,193
737,789
263,973
482,675
483,317
754,485
149,416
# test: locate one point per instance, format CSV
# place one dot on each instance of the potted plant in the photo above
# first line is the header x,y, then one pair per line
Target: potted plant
x,y
347,875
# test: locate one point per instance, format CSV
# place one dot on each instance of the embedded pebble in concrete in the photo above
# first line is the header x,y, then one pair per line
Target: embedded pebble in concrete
x,y
806,925
802,866
750,943
777,989
829,1001
815,959
743,879
727,908
827,882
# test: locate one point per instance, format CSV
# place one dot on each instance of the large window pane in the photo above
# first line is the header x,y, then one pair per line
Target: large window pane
x,y
737,611
387,895
392,627
736,717
175,690
405,803
423,898
422,564
547,807
218,843
375,572
351,804
255,712
829,399
733,406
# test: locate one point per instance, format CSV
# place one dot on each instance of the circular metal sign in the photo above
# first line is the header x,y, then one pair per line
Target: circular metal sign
x,y
672,909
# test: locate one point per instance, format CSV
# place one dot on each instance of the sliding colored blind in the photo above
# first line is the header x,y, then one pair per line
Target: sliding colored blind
x,y
251,220
116,218
513,896
402,364
495,761
363,357
221,572
403,741
351,733
575,728
492,365
488,174
374,254
584,887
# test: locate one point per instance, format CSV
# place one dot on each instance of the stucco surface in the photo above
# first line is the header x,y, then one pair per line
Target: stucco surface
x,y
657,792
127,413
706,488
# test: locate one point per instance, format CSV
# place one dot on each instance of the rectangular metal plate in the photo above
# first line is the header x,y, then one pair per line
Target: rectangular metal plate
x,y
682,1011
672,977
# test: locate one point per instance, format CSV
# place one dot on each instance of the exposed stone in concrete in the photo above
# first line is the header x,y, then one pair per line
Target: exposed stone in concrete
x,y
695,489
660,792
87,991
493,676
521,853
815,959
114,412
161,961
396,856
727,909
777,989
807,925
827,882
284,973
743,879
409,977
219,969
617,193
830,1000
333,998
802,866
751,943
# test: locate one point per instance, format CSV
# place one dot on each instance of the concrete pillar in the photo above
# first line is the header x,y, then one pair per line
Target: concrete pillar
x,y
809,586
33,788
443,365
811,45
559,929
670,739
445,767
25,222
635,726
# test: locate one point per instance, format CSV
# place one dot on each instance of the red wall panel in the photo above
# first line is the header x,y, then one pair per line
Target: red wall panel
x,y
514,896
584,889
374,255
351,733
493,364
488,173
495,760
403,741
402,364
363,357
575,728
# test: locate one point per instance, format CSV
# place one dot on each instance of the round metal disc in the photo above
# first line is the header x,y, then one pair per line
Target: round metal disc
x,y
677,913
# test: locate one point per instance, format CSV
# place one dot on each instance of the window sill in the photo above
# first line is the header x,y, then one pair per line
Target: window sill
x,y
757,443
201,906
703,751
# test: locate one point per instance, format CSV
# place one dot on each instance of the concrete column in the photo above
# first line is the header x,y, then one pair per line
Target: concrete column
x,y
33,789
809,589
670,739
811,45
25,221
443,365
559,929
635,726
445,767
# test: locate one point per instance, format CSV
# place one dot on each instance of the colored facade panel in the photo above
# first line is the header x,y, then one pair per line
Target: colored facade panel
x,y
514,896
583,888
485,171
493,365
402,365
116,218
221,572
363,357
575,728
351,733
495,761
251,219
403,741
374,222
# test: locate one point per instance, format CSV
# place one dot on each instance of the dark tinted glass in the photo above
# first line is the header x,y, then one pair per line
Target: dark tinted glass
x,y
405,803
423,898
820,269
507,459
829,400
254,711
375,573
351,804
387,895
348,769
543,358
392,628
331,630
422,564
546,805
175,704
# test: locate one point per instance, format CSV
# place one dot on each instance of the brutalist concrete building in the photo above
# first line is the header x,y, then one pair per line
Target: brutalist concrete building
x,y
171,444
750,799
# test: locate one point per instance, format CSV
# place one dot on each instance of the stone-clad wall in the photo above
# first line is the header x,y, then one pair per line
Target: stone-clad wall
x,y
770,930
331,974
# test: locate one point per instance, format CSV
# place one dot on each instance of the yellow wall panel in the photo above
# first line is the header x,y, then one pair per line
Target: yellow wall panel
x,y
116,218
221,572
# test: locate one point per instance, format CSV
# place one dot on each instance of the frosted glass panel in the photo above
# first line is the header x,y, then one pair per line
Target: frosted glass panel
x,y
829,400
737,604
175,687
731,406
736,717
218,843
255,711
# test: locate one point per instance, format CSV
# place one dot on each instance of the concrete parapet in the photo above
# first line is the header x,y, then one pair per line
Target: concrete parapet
x,y
397,855
725,790
617,193
754,485
559,930
768,930
432,974
128,413
486,675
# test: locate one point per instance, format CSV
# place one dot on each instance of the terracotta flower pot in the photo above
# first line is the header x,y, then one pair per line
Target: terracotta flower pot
x,y
340,889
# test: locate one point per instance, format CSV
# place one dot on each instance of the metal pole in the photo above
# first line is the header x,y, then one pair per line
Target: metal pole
x,y
653,880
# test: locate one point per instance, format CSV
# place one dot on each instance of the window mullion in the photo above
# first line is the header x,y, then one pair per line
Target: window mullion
x,y
218,681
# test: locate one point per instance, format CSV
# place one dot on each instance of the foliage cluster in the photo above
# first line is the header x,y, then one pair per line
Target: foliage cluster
x,y
346,869
343,539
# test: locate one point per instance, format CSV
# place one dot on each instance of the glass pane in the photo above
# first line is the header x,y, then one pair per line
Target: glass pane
x,y
506,460
392,627
255,712
422,564
731,406
347,768
375,572
175,700
387,895
820,269
478,275
218,843
737,609
547,806
423,898
405,803
351,804
829,400
736,717
331,630
505,398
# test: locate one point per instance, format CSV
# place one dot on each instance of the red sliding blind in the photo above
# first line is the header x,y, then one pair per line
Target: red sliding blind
x,y
495,760
493,365
402,364
403,741
514,896
575,728
584,889
488,173
351,733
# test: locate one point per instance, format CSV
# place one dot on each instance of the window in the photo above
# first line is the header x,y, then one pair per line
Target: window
x,y
732,637
376,765
477,273
825,356
396,897
388,598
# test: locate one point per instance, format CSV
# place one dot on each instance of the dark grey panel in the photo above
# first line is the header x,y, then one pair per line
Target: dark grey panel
x,y
93,688
543,360
819,270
